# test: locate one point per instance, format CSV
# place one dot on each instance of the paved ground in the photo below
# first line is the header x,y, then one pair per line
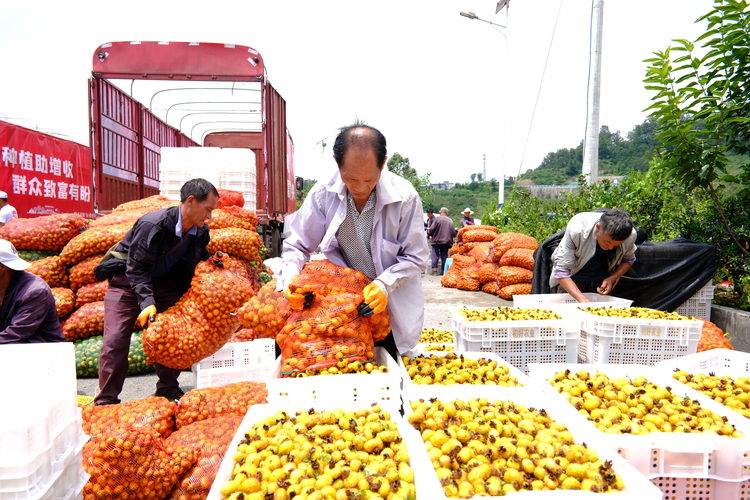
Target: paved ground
x,y
439,303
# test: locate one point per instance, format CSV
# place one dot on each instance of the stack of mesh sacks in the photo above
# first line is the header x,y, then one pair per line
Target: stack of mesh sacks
x,y
64,249
498,263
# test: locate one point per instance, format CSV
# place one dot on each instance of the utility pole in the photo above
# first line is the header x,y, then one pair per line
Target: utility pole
x,y
484,167
591,142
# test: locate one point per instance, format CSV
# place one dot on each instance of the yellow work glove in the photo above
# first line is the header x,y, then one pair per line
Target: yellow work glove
x,y
298,301
146,316
376,300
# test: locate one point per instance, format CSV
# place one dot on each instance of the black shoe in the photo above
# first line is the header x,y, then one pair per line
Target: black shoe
x,y
103,403
172,394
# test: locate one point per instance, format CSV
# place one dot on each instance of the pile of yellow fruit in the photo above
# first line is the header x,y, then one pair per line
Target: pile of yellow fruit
x,y
506,314
635,312
456,369
637,406
320,455
438,348
343,367
734,393
432,336
478,447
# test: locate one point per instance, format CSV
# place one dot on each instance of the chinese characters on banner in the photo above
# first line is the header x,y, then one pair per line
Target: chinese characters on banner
x,y
43,174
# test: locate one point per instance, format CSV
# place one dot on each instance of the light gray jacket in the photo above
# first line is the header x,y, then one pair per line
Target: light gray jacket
x,y
578,245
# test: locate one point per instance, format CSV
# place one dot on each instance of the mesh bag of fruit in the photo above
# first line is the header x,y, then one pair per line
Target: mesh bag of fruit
x,y
87,353
51,270
201,322
149,204
120,217
210,402
154,413
266,312
84,322
330,328
510,275
482,232
91,242
482,252
213,437
133,463
83,273
64,301
521,257
712,337
505,241
242,335
240,243
93,292
468,279
32,255
234,217
245,269
487,273
507,292
52,232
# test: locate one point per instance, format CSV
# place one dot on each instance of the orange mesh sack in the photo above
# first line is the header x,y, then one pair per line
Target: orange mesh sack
x,y
154,413
201,322
234,217
83,272
480,235
453,250
509,275
521,257
244,269
230,198
241,243
483,233
267,312
331,328
491,287
507,292
227,400
148,204
213,437
505,241
93,292
133,463
482,252
120,217
51,270
712,337
487,273
85,322
64,301
242,335
52,232
450,278
469,278
91,242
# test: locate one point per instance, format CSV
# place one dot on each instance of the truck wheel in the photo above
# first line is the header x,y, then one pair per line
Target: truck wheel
x,y
275,242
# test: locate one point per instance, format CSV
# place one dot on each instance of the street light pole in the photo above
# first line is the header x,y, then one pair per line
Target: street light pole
x,y
501,4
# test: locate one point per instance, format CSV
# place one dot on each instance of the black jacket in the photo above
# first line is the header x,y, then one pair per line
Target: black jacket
x,y
151,237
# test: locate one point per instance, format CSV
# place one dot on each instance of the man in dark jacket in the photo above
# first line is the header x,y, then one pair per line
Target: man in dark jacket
x,y
163,248
27,307
442,231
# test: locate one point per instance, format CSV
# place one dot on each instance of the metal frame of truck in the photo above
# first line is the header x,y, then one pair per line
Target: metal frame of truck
x,y
127,136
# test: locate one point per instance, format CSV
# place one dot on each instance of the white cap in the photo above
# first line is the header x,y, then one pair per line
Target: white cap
x,y
9,257
3,194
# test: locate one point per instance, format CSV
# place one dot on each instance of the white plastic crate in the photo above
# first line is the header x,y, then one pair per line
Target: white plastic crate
x,y
381,388
70,483
719,361
682,488
612,340
258,412
518,342
412,390
252,361
547,300
661,454
636,486
699,305
435,347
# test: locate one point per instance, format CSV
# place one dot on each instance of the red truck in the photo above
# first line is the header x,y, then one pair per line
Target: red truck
x,y
206,94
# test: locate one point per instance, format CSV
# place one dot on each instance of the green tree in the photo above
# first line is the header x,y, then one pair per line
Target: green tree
x,y
700,105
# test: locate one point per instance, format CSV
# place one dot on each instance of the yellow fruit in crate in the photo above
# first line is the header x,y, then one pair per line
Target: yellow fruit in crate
x,y
457,369
507,314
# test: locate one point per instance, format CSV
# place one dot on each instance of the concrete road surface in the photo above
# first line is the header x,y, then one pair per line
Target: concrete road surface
x,y
439,303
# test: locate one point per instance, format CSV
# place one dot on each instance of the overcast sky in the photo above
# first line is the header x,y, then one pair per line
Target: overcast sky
x,y
445,90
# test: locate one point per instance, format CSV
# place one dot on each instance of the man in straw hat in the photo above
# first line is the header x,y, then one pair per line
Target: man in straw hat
x,y
467,220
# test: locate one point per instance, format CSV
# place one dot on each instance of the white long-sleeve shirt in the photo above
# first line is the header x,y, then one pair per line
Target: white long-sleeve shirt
x,y
399,248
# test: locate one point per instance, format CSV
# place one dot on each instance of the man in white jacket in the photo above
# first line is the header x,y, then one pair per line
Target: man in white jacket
x,y
596,250
368,219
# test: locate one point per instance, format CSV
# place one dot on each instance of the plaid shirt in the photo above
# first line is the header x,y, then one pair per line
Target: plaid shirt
x,y
355,233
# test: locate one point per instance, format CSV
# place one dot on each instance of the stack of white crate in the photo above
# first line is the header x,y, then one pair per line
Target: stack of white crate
x,y
41,437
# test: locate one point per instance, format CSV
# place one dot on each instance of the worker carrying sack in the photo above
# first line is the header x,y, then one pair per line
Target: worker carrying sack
x,y
112,263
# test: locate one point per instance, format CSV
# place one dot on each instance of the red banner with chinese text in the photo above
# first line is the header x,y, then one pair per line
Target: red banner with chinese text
x,y
43,174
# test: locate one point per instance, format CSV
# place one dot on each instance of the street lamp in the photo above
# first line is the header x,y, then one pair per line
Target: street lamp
x,y
500,5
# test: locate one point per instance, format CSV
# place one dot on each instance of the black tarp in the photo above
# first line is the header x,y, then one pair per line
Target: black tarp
x,y
664,276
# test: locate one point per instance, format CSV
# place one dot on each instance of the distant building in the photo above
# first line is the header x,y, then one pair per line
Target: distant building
x,y
442,186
